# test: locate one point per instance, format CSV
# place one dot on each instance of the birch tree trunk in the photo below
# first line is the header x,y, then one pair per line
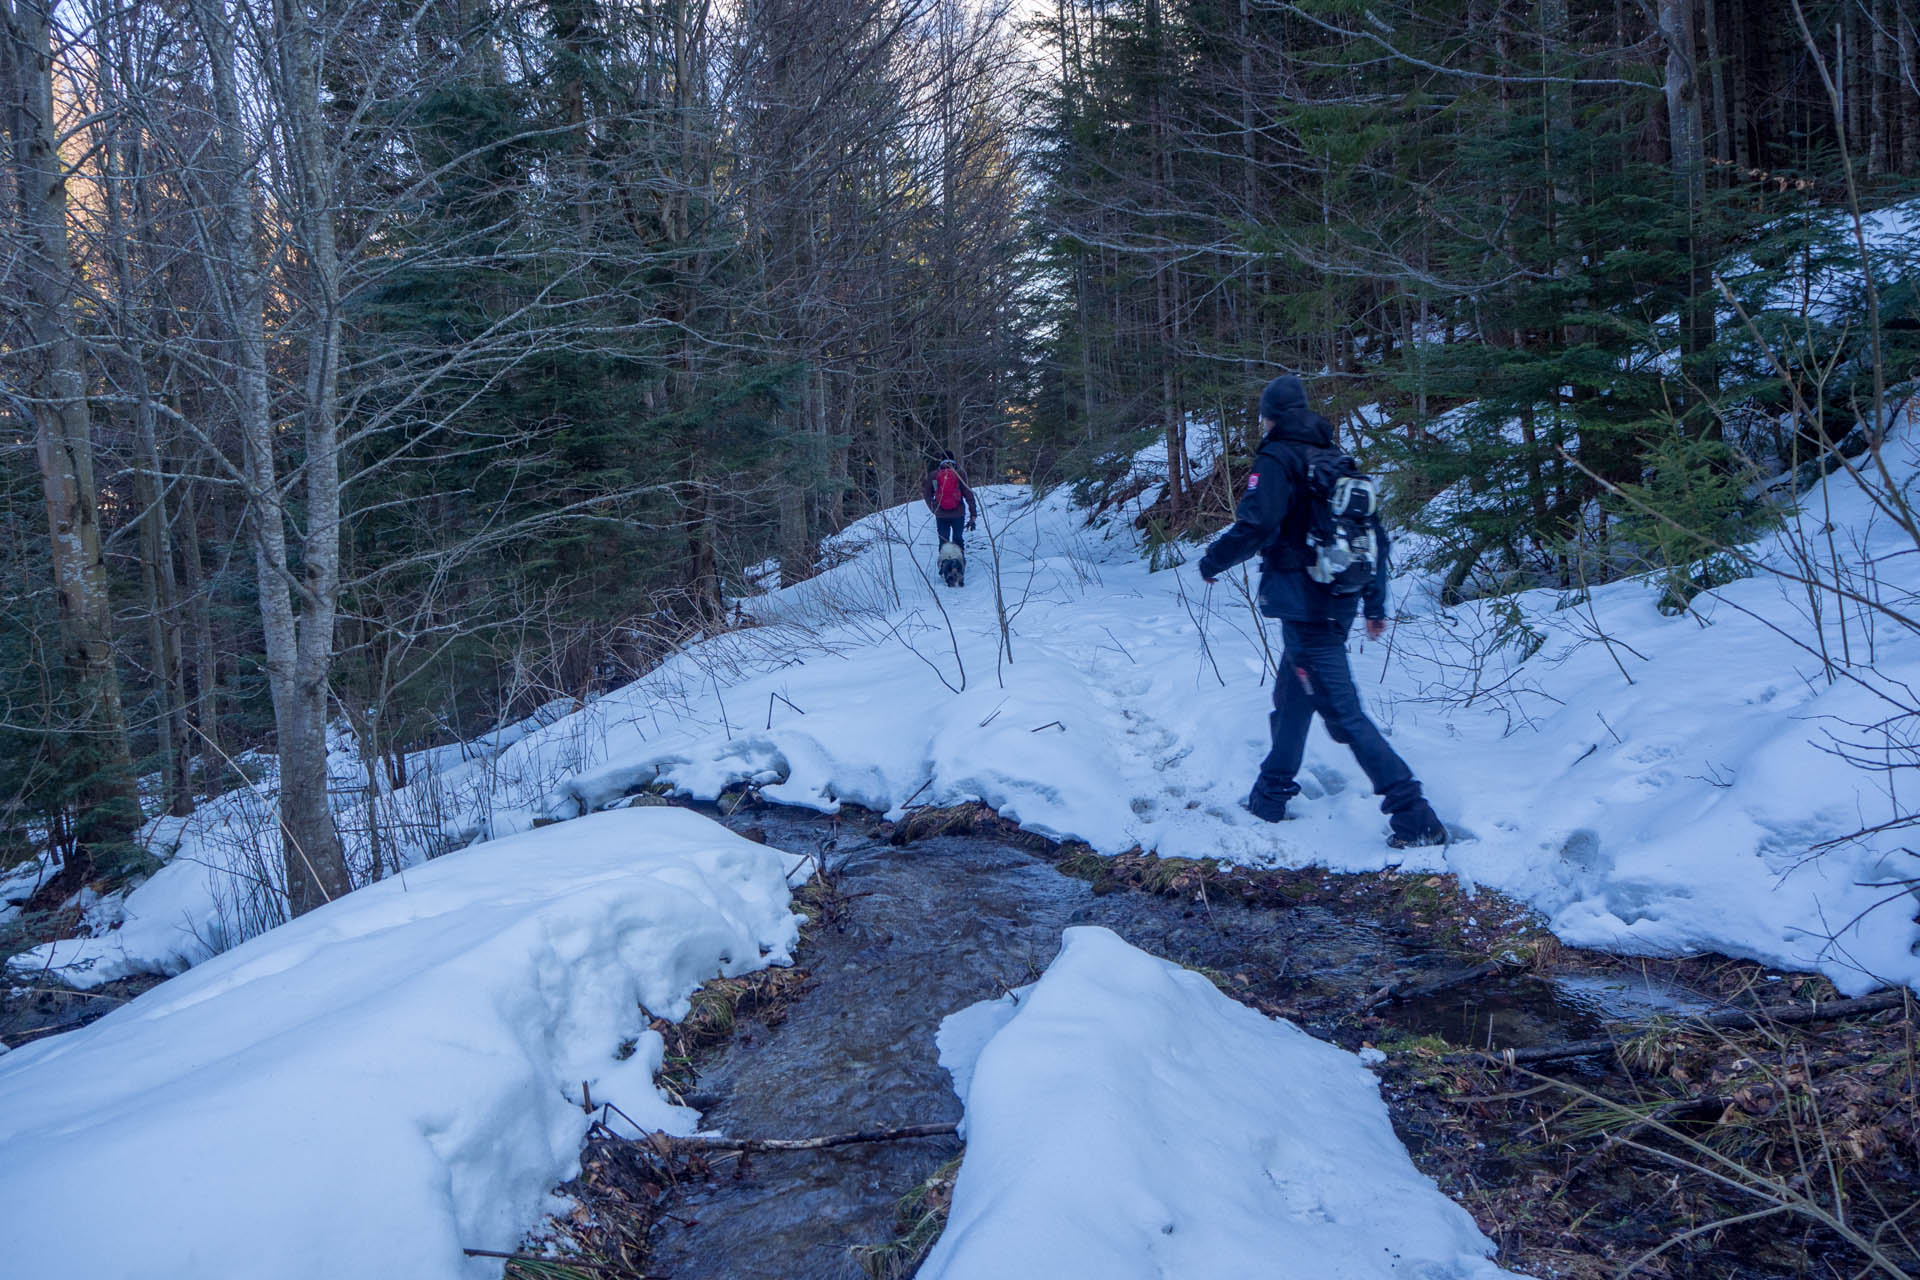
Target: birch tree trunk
x,y
298,646
316,864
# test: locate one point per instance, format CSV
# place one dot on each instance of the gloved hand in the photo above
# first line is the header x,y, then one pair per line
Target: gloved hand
x,y
971,523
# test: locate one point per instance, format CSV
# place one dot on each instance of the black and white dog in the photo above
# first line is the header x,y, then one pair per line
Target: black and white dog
x,y
953,564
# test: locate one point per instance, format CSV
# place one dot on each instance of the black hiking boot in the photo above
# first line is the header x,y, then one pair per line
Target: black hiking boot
x,y
1418,827
1265,810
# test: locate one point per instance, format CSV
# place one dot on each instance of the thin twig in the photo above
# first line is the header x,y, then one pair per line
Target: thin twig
x,y
580,1263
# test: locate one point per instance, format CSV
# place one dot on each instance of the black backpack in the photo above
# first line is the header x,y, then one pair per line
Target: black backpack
x,y
1343,552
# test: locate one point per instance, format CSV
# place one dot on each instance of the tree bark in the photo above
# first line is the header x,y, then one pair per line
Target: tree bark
x,y
1879,77
1684,133
1742,123
1717,78
298,645
315,862
206,655
1907,91
108,808
143,323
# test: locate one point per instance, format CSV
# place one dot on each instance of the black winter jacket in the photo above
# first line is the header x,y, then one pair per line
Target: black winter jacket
x,y
1271,521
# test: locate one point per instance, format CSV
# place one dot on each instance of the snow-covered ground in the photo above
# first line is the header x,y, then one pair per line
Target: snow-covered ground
x,y
20,883
1652,783
1125,1119
390,1079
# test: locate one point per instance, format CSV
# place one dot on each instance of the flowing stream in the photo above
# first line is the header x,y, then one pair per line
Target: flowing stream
x,y
935,926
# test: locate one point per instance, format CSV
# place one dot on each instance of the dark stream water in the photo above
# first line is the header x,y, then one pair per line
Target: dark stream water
x,y
932,928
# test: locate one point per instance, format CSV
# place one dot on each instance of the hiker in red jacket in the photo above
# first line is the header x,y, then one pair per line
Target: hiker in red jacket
x,y
949,497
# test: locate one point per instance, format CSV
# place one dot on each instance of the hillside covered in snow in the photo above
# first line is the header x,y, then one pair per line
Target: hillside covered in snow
x,y
1652,782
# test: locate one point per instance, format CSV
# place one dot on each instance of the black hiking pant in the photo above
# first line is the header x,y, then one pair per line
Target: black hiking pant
x,y
1315,678
950,528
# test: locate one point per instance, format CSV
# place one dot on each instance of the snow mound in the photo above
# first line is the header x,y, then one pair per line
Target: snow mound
x,y
382,1082
1125,1119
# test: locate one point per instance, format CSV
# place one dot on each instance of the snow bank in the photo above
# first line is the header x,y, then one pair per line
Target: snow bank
x,y
367,1090
18,884
1124,1118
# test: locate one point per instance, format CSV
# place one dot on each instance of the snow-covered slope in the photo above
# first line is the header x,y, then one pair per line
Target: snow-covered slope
x,y
1657,789
1125,1119
1652,783
389,1079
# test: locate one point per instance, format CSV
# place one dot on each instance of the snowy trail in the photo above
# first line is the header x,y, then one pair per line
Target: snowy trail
x,y
1113,723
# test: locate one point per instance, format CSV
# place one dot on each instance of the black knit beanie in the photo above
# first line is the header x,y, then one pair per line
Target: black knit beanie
x,y
1283,393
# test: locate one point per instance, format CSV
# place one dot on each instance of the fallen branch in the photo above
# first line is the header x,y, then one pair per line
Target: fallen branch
x,y
783,698
1786,1015
19,1038
579,1264
663,1142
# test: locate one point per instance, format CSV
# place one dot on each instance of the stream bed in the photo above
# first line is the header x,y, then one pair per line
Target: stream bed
x,y
932,927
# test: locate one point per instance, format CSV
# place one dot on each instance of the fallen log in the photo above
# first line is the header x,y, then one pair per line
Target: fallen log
x,y
664,1142
1601,1046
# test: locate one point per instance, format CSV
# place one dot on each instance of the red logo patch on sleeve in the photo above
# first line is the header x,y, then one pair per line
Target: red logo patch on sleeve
x,y
1253,482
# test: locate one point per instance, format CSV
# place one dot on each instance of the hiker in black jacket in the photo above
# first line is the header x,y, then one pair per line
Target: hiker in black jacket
x,y
1272,521
949,500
